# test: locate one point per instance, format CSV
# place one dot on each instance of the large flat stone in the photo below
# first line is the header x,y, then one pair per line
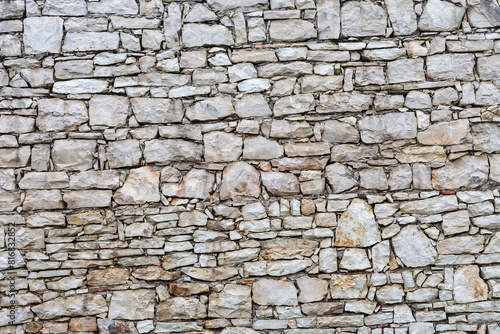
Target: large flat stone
x,y
393,126
362,19
357,226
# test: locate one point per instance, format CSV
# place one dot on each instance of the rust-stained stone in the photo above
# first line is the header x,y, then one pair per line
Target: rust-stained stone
x,y
113,276
357,226
87,324
187,289
468,286
239,179
287,248
178,308
348,286
108,326
323,308
152,273
211,274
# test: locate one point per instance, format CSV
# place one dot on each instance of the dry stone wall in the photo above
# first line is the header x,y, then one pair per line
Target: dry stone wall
x,y
250,166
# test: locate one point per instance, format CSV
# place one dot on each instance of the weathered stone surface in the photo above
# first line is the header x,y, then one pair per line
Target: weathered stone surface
x,y
115,7
312,289
252,105
234,301
340,177
484,14
211,274
164,151
132,305
273,292
42,34
65,8
485,136
123,153
147,110
194,35
468,171
360,19
12,9
280,184
91,41
40,180
456,222
260,148
222,146
402,16
459,245
348,286
344,102
108,110
240,179
293,30
446,133
197,183
115,276
60,115
414,248
295,104
78,305
468,286
225,6
405,70
211,109
140,187
357,226
179,308
328,19
81,86
15,157
430,206
339,132
441,15
73,155
376,129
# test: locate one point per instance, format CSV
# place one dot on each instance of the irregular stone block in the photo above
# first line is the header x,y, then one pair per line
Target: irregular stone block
x,y
362,19
42,34
194,35
414,248
441,15
132,305
357,226
73,155
274,292
141,186
292,30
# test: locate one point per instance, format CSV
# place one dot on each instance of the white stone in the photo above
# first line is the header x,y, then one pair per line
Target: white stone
x,y
108,110
140,187
194,35
414,248
42,34
441,15
362,19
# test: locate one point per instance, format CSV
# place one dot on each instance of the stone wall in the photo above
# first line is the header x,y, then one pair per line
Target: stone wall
x,y
249,166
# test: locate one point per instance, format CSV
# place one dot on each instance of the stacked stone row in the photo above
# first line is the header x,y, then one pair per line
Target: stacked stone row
x,y
247,167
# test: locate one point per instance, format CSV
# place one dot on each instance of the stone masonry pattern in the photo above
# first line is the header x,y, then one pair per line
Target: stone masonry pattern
x,y
249,166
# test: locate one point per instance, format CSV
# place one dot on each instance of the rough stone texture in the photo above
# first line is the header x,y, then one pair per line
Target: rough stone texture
x,y
253,166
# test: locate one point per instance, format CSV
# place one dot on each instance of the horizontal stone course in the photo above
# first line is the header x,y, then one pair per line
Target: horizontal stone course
x,y
252,166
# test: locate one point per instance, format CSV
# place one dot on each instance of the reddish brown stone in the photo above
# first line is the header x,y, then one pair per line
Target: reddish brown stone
x,y
86,324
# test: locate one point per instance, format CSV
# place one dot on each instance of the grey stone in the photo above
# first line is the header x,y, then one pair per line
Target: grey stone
x,y
73,155
16,124
77,305
91,41
252,105
148,110
414,248
261,148
451,67
402,16
293,30
132,304
468,171
113,7
123,153
485,137
42,34
339,132
344,102
225,6
11,46
280,184
168,150
459,245
405,70
197,183
362,19
81,86
328,19
274,292
222,146
211,109
65,8
393,126
340,177
12,9
441,15
108,110
194,35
